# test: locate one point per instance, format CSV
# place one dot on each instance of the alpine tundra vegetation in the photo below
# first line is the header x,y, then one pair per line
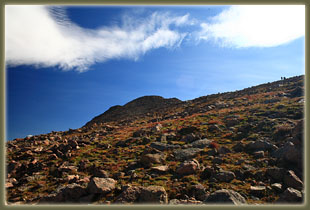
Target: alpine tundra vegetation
x,y
242,147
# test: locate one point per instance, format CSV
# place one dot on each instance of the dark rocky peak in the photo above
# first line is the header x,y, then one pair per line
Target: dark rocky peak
x,y
134,108
151,101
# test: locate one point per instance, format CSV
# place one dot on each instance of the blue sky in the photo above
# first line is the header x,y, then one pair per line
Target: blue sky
x,y
66,65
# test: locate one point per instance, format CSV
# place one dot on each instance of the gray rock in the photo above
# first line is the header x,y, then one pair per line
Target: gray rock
x,y
226,197
184,154
101,185
202,143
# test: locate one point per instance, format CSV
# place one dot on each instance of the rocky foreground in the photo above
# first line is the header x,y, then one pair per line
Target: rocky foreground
x,y
243,147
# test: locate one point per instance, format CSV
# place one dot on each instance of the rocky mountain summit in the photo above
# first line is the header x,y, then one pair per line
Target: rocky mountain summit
x,y
135,109
240,148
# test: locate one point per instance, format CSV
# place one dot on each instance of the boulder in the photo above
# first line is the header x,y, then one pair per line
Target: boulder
x,y
149,159
225,176
129,195
188,167
70,193
153,194
225,196
207,172
184,154
198,191
202,143
101,185
289,153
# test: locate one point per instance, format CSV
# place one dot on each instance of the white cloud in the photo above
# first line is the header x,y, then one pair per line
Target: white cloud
x,y
37,35
255,26
44,36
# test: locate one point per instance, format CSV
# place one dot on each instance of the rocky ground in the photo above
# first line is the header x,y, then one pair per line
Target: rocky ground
x,y
243,147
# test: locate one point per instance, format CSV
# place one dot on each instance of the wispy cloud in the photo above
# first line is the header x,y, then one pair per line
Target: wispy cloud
x,y
37,35
255,26
44,36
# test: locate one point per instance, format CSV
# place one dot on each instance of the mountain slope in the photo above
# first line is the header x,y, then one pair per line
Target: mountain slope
x,y
237,147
